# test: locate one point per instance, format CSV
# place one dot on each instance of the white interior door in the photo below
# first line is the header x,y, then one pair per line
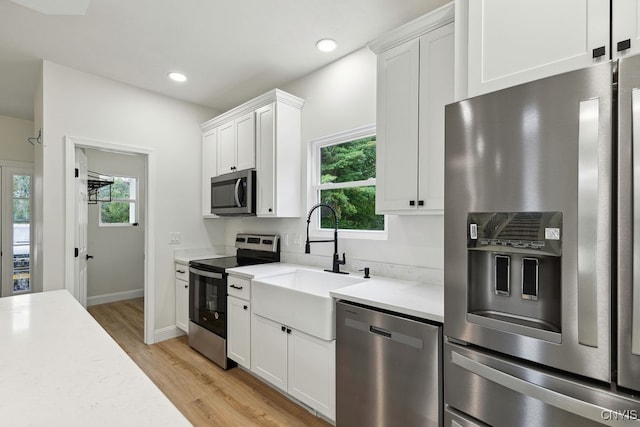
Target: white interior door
x,y
82,214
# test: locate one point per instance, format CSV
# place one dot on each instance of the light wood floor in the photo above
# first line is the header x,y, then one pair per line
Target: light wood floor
x,y
204,393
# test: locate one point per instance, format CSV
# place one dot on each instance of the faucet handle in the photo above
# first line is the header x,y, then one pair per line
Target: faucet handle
x,y
344,259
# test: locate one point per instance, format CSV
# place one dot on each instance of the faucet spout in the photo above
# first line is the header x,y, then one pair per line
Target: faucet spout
x,y
336,257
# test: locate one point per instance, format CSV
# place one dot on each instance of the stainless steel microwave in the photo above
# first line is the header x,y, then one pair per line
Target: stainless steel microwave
x,y
234,194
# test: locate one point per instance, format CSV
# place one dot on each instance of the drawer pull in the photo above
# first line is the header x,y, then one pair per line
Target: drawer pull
x,y
180,271
237,287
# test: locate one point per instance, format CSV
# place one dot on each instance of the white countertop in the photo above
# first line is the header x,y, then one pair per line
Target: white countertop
x,y
183,256
412,298
58,366
265,270
415,299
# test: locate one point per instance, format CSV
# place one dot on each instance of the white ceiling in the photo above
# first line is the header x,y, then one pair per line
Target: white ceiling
x,y
231,50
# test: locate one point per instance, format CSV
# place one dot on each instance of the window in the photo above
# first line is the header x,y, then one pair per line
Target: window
x,y
121,210
21,197
344,176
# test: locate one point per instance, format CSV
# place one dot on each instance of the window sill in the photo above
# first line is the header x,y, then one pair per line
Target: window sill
x,y
348,234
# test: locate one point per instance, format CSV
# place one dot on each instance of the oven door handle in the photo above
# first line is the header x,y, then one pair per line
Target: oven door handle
x,y
205,273
548,396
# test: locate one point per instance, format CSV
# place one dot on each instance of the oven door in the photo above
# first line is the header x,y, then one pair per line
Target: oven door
x,y
208,300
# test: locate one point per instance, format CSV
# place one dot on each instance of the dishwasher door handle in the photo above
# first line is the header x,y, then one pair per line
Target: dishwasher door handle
x,y
379,331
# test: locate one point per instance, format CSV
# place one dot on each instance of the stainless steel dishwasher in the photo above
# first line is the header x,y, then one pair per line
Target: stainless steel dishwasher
x,y
388,368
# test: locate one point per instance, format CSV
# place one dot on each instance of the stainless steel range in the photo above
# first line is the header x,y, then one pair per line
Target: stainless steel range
x,y
542,313
208,293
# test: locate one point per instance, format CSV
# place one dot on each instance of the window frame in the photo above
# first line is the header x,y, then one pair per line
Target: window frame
x,y
315,187
119,200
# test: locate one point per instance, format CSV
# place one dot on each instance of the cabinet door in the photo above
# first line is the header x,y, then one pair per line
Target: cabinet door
x,y
226,148
436,91
182,305
312,374
239,331
265,168
397,128
515,41
245,142
209,167
625,30
269,351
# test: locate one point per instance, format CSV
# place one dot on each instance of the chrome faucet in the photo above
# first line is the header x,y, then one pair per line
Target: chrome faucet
x,y
336,258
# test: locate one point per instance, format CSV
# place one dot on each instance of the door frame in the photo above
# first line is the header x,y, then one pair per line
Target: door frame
x,y
149,220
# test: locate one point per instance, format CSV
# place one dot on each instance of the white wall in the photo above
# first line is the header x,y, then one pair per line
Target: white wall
x,y
89,107
340,97
13,139
117,266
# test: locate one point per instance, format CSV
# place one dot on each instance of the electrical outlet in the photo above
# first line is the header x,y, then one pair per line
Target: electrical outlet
x,y
175,237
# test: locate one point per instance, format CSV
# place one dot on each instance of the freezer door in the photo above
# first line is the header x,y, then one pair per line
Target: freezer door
x,y
526,395
543,149
629,222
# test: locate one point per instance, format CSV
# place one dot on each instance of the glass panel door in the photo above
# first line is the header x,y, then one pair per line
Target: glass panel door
x,y
21,227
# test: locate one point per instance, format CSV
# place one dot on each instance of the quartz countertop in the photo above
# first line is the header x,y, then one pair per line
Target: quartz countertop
x,y
58,366
412,298
183,256
265,270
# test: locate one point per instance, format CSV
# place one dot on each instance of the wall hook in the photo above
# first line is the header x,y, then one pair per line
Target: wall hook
x,y
37,139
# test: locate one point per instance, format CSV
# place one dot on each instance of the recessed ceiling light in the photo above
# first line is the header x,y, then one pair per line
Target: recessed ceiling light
x,y
326,45
177,77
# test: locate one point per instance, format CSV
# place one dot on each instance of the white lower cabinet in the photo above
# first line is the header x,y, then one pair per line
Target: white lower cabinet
x,y
182,297
239,331
295,362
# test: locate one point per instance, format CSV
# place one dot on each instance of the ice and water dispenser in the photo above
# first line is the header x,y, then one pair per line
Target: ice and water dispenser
x,y
514,271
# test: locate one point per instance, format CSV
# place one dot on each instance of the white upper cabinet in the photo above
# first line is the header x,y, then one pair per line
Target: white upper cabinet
x,y
625,29
264,134
509,42
237,145
278,152
415,82
209,167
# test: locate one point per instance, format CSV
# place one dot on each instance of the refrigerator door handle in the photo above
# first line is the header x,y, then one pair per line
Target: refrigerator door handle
x,y
589,268
635,310
561,401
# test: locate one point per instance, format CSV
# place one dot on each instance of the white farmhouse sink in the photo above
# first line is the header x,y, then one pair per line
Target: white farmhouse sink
x,y
300,300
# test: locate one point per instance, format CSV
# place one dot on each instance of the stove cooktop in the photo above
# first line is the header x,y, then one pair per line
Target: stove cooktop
x,y
251,249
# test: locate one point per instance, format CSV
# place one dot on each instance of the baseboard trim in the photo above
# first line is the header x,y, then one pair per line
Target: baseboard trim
x,y
116,296
167,333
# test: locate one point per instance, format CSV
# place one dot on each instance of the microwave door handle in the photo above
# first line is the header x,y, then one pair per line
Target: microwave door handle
x,y
237,191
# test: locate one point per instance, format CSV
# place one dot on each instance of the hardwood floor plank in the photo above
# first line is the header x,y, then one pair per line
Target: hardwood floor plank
x,y
206,394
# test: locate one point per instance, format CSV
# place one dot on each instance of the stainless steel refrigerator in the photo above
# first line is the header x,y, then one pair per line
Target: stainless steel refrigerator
x,y
542,252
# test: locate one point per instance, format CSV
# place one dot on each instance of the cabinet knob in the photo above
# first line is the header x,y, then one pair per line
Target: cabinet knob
x,y
412,202
599,51
186,286
282,328
270,210
244,307
623,45
288,330
420,202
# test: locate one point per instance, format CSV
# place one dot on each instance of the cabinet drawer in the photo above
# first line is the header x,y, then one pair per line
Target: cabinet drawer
x,y
182,272
239,287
